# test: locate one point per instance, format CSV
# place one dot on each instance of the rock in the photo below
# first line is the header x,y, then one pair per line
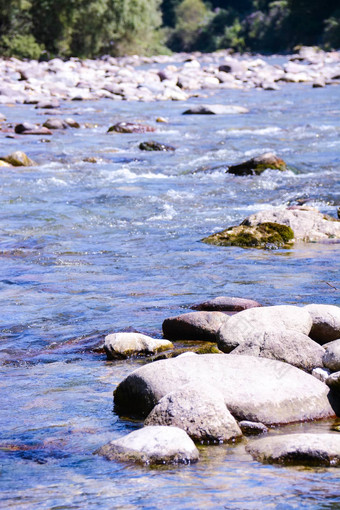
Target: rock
x,y
267,235
55,123
200,411
27,128
243,327
331,358
2,117
226,304
321,373
194,326
255,166
124,345
155,146
254,389
130,127
251,428
307,223
4,164
298,449
319,83
326,322
215,109
48,104
72,123
288,346
152,445
333,381
18,158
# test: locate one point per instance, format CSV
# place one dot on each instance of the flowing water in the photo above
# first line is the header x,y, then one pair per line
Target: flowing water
x,y
91,248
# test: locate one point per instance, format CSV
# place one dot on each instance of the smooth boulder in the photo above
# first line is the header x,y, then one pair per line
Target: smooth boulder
x,y
226,304
130,127
194,326
298,449
251,428
254,389
125,345
18,158
326,322
215,109
200,411
257,165
331,357
152,445
242,327
333,381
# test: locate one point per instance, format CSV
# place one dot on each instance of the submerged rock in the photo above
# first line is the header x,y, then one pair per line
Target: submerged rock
x,y
226,304
254,389
130,127
18,158
298,449
152,445
215,109
155,146
326,322
258,165
200,411
264,235
125,345
194,326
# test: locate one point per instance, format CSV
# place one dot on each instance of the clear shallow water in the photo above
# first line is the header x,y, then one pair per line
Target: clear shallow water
x,y
88,249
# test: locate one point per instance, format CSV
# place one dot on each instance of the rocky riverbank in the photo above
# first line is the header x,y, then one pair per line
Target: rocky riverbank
x,y
175,77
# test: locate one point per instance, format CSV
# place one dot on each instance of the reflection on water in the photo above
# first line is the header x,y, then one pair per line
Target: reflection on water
x,y
88,249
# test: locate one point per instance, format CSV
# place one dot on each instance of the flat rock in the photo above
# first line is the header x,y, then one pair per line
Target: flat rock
x,y
215,109
152,445
298,449
331,357
251,428
257,165
307,223
125,345
226,304
254,389
194,326
287,345
130,127
326,322
200,411
18,158
242,327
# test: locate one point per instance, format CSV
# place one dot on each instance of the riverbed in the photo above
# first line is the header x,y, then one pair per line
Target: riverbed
x,y
88,249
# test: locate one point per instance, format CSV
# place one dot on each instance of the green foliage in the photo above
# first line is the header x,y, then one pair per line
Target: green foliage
x,y
191,16
332,31
21,46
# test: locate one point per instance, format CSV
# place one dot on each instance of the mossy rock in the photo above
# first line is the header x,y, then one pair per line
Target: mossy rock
x,y
265,235
188,346
255,166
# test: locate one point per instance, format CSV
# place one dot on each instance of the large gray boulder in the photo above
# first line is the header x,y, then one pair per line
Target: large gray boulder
x,y
226,304
303,449
255,389
152,445
194,326
331,358
326,322
307,223
198,410
125,345
242,327
287,345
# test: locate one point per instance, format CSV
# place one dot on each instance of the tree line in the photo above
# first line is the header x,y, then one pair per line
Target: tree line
x,y
90,28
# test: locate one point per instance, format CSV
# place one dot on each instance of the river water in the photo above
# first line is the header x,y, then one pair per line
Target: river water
x,y
87,249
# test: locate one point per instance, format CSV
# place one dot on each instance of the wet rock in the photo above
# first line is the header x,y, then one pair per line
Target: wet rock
x,y
333,381
194,326
130,127
125,345
251,428
55,123
72,123
298,449
331,357
267,235
26,128
226,304
243,327
155,146
48,104
254,389
289,346
18,158
200,411
152,445
257,165
326,322
307,223
215,109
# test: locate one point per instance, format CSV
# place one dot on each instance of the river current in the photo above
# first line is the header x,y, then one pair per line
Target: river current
x,y
92,248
